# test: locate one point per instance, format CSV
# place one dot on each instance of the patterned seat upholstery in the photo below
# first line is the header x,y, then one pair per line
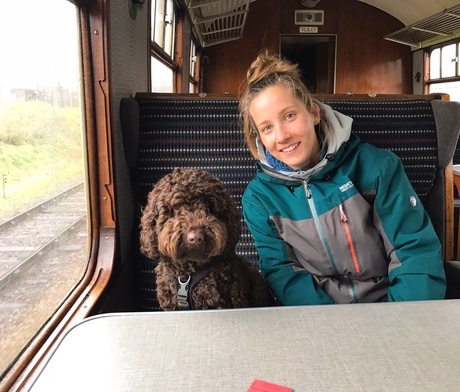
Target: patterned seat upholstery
x,y
405,127
163,131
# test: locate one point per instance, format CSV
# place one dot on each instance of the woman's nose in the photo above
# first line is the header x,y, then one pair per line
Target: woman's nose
x,y
282,134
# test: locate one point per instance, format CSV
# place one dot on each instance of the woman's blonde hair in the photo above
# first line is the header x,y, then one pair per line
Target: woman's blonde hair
x,y
267,70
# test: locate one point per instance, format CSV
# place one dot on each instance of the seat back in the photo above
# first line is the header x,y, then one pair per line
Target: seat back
x,y
164,131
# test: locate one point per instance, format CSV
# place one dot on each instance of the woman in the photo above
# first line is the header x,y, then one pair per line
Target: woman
x,y
333,219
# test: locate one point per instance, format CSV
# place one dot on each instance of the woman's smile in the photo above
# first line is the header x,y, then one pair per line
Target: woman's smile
x,y
290,148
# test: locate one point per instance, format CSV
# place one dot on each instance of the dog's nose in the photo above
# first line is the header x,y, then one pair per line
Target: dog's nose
x,y
195,237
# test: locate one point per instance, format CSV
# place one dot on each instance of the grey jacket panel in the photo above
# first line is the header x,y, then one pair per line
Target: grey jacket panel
x,y
334,269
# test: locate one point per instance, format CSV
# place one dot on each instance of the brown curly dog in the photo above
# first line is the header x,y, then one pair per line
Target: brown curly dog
x,y
191,226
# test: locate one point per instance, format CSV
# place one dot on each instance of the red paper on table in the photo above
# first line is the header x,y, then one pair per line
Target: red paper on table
x,y
264,386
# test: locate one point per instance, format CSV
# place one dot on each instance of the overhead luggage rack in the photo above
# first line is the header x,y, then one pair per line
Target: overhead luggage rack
x,y
218,21
441,26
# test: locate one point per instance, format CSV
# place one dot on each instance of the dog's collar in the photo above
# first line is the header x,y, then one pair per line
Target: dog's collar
x,y
185,284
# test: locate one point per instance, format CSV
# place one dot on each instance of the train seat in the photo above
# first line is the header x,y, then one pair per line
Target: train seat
x,y
164,131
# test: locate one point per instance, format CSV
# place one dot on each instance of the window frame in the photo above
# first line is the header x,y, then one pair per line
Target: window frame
x,y
93,23
442,79
194,77
157,52
180,62
446,84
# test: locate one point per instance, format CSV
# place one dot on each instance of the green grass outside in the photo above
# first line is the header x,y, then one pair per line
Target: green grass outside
x,y
40,153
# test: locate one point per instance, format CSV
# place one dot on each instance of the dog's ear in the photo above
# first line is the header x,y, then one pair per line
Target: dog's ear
x,y
148,237
233,222
223,206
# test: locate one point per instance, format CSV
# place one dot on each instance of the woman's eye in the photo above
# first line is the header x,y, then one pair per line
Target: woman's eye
x,y
266,128
290,116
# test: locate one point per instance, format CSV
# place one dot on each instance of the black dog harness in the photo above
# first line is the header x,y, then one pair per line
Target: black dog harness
x,y
185,284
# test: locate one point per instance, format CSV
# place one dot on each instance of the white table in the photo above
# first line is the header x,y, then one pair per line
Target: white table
x,y
456,169
413,346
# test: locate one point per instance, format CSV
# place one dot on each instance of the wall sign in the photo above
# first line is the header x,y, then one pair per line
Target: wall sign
x,y
308,29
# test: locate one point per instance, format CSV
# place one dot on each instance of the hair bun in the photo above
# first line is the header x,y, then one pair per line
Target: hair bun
x,y
269,63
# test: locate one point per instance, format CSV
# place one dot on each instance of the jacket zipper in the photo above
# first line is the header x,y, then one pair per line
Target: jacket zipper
x,y
351,287
319,228
325,243
344,219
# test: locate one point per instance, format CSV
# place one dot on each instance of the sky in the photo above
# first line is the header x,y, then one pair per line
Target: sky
x,y
38,44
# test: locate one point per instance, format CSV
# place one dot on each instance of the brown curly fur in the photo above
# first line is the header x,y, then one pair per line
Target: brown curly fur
x,y
190,218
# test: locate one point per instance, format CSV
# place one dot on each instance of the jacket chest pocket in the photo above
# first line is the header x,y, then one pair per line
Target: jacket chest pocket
x,y
349,237
356,245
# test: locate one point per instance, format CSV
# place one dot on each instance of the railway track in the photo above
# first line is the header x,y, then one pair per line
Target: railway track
x,y
43,254
30,234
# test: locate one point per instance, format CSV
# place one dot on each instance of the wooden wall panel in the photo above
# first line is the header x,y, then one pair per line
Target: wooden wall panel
x,y
229,61
366,63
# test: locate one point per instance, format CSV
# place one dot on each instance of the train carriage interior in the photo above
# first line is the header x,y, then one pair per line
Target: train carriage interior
x,y
99,99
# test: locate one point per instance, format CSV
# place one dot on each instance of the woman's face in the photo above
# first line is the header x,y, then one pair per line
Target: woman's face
x,y
286,127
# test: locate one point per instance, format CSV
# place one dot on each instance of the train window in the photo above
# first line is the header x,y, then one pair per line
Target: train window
x,y
162,77
193,80
43,211
169,28
163,22
444,70
435,64
449,61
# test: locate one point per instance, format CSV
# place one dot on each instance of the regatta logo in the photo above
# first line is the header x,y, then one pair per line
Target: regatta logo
x,y
346,186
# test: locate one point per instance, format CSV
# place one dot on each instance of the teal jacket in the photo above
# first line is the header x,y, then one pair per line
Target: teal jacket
x,y
351,229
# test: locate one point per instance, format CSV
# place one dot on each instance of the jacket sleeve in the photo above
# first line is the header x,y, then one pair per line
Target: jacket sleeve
x,y
416,270
290,283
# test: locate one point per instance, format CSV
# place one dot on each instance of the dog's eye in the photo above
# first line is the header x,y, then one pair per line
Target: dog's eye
x,y
166,211
208,210
212,210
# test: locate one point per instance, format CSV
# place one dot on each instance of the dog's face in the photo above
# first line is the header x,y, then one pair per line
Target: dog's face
x,y
189,217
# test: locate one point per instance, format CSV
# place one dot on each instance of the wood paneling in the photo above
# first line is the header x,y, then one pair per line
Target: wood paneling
x,y
366,63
